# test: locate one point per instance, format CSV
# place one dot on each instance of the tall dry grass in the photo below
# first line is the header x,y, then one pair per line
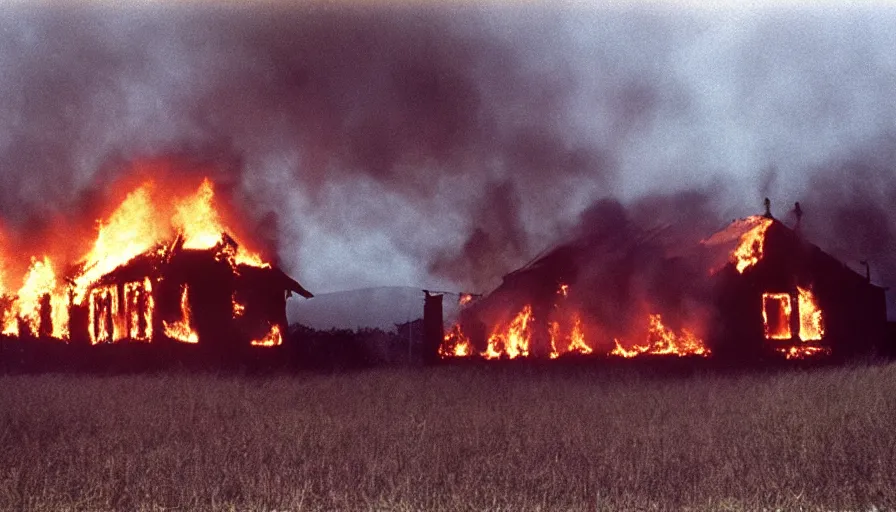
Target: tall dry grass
x,y
453,438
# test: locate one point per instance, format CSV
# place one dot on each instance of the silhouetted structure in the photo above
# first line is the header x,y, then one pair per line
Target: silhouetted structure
x,y
433,328
740,310
853,310
172,294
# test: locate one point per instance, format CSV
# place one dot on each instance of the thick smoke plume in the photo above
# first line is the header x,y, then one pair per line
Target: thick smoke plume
x,y
409,145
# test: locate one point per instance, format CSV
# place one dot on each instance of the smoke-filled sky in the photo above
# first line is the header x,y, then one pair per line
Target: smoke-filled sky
x,y
443,147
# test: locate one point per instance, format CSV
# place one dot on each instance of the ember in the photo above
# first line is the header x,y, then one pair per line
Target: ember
x,y
803,352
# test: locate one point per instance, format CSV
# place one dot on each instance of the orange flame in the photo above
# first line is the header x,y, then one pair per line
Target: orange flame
x,y
197,219
10,321
145,222
575,341
238,307
752,243
182,329
621,351
513,340
663,341
776,311
272,339
811,318
749,233
59,307
464,299
563,290
39,286
103,315
455,344
804,352
139,306
132,229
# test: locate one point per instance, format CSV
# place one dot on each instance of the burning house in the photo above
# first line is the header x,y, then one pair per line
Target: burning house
x,y
161,270
753,289
784,294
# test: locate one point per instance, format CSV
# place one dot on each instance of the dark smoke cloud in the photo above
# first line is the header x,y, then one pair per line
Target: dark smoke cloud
x,y
286,102
852,208
409,145
494,245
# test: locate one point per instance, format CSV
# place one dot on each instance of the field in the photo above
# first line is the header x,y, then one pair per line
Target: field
x,y
452,438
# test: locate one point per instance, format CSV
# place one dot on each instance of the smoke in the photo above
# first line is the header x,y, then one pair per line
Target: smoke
x,y
447,146
852,209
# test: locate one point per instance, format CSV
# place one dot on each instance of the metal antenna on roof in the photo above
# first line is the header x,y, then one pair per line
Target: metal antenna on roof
x,y
798,211
867,270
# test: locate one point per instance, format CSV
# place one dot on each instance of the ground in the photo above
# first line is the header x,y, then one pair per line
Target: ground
x,y
508,437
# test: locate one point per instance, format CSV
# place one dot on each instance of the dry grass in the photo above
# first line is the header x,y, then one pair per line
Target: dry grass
x,y
451,438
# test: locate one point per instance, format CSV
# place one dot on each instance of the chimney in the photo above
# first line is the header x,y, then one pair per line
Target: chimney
x,y
433,327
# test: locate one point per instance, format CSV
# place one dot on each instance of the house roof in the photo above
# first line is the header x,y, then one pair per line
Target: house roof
x,y
153,262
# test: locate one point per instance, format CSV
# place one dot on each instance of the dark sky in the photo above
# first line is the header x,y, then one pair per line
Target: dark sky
x,y
443,147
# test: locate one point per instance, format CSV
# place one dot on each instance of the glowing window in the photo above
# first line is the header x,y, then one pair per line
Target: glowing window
x,y
776,311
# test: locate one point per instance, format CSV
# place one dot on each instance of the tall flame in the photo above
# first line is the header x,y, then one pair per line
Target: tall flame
x,y
139,307
132,229
513,340
182,330
59,306
198,220
40,282
574,342
811,318
103,315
